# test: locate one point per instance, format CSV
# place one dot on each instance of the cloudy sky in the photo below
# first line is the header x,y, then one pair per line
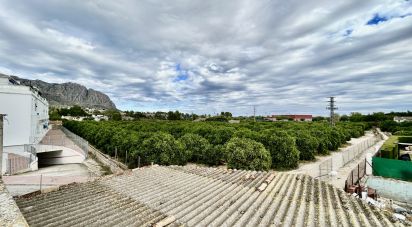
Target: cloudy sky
x,y
211,56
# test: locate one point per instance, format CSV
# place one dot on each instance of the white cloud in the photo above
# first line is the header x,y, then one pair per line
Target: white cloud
x,y
284,56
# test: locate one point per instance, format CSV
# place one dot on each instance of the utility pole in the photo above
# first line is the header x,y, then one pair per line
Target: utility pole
x,y
254,113
1,144
332,107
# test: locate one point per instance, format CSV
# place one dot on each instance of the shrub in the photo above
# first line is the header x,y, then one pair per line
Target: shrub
x,y
282,148
307,146
163,149
246,133
243,153
220,135
216,155
197,146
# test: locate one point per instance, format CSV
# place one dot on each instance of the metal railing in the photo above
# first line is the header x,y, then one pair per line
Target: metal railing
x,y
356,175
79,141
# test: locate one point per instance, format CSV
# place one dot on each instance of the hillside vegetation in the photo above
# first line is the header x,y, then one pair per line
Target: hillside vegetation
x,y
255,146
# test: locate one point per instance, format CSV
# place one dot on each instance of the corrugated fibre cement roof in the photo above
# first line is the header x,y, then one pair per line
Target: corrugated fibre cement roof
x,y
200,196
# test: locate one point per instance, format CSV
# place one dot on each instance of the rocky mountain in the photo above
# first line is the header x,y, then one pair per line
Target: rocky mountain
x,y
69,94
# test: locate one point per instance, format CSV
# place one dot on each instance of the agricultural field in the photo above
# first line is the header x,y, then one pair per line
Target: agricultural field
x,y
251,146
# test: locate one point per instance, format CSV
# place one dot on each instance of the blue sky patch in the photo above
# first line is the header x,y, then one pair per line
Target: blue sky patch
x,y
376,19
181,73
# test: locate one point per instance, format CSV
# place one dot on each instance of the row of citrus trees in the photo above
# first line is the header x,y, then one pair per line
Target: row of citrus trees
x,y
255,146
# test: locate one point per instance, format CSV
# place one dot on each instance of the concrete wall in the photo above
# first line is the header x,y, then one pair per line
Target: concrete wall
x,y
106,160
392,189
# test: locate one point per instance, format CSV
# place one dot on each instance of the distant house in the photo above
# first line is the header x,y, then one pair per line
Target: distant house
x,y
290,117
234,121
73,118
402,119
100,117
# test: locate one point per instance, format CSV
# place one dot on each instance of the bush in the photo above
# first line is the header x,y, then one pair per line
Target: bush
x,y
243,153
162,148
282,148
405,139
215,156
197,146
307,146
390,148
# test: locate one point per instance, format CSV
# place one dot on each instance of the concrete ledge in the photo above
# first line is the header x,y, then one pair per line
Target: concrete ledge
x,y
10,215
114,166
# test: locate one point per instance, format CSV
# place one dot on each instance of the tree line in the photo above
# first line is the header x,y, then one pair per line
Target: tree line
x,y
255,146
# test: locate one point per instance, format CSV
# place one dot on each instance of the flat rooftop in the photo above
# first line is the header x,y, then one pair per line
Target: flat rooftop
x,y
201,196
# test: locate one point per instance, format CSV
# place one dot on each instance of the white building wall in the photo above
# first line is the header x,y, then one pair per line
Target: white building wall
x,y
39,118
17,126
24,122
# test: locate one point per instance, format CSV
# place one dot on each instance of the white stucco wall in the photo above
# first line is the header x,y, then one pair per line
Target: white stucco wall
x,y
26,111
17,124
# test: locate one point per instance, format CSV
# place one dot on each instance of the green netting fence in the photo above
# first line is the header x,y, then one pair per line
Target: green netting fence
x,y
392,168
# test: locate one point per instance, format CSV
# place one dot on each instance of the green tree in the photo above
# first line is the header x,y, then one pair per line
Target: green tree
x,y
113,115
160,115
196,145
162,148
54,115
243,153
282,148
307,145
174,115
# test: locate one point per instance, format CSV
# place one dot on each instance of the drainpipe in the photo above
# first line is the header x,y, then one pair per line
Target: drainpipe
x,y
1,144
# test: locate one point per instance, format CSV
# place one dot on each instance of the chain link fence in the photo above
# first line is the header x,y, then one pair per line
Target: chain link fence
x,y
355,151
345,156
79,141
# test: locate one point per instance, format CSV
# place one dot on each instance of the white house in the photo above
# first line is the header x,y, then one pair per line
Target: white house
x,y
402,119
27,113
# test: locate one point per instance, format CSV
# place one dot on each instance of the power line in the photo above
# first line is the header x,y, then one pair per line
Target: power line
x,y
332,107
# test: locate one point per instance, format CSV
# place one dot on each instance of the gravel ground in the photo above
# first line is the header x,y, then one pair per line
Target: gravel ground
x,y
9,212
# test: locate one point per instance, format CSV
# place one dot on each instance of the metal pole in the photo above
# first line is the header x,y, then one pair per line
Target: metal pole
x,y
1,144
41,179
138,162
126,157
